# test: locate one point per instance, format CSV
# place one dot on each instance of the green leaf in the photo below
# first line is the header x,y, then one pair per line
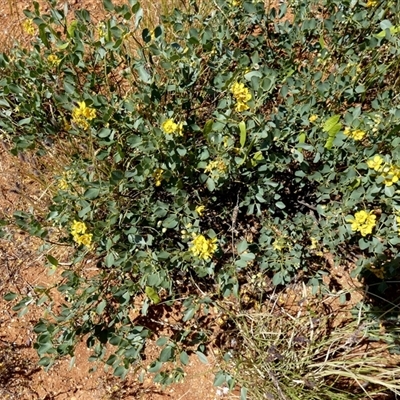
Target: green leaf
x,y
143,74
138,16
242,128
210,184
332,128
116,177
25,121
393,31
322,41
170,222
91,193
4,102
389,191
10,296
52,260
242,246
302,138
108,5
184,358
45,361
71,28
189,314
155,366
109,260
62,46
280,205
208,127
220,378
278,279
100,307
120,371
43,35
162,341
202,357
166,354
152,294
330,123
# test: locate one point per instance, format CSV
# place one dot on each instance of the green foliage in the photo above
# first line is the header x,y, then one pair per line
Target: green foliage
x,y
268,123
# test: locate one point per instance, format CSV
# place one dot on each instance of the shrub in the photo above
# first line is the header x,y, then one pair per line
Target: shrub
x,y
221,143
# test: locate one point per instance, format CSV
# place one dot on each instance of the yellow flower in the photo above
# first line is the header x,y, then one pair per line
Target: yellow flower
x,y
358,134
82,114
78,232
28,27
158,176
375,163
314,244
101,29
85,239
278,244
78,227
170,127
63,184
53,60
217,165
179,129
363,222
240,106
203,248
391,175
240,92
200,210
313,118
371,3
242,96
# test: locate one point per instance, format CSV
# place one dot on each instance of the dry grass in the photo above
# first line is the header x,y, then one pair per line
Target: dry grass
x,y
285,356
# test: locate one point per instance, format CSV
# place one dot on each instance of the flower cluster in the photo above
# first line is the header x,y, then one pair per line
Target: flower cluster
x,y
78,232
313,118
371,3
242,96
389,172
53,60
216,168
82,114
356,134
279,244
203,248
158,176
170,127
200,210
363,222
28,27
375,163
64,182
101,30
